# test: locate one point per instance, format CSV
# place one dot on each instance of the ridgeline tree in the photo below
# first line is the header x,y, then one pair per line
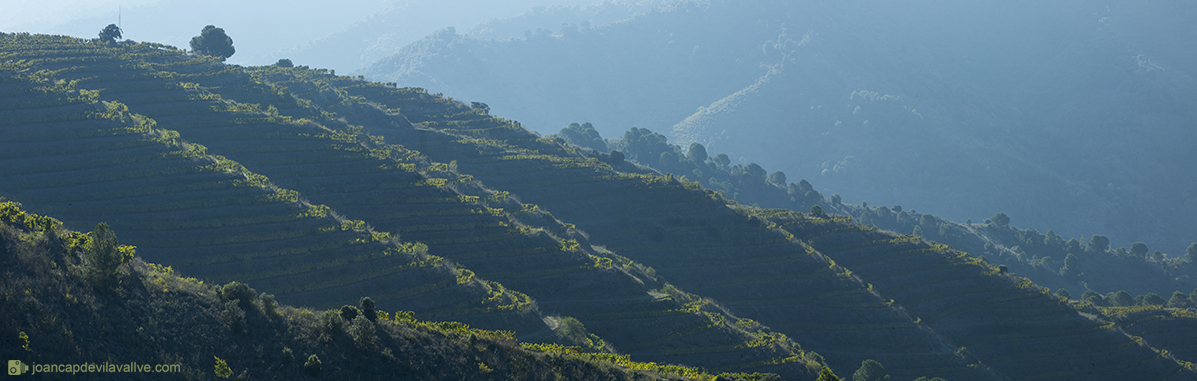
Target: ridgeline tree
x,y
584,135
1178,300
1191,253
1072,265
212,41
616,157
870,370
697,153
1153,299
1063,293
826,375
348,312
817,211
104,256
368,309
777,178
1122,299
1000,219
110,33
722,160
284,62
1099,243
756,171
1139,249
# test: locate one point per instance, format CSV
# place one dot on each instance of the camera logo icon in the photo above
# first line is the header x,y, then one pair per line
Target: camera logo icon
x,y
16,367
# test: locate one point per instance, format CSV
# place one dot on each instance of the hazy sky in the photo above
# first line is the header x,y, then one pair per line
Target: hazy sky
x,y
260,28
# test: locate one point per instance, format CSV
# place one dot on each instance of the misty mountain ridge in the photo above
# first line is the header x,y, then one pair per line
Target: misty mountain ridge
x,y
1069,116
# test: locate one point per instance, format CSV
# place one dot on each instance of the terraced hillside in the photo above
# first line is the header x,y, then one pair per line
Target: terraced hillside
x,y
1004,321
1171,329
505,229
686,235
292,137
209,216
55,313
689,237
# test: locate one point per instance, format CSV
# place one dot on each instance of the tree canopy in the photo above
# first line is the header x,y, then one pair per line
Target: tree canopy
x,y
1099,243
870,370
212,41
110,33
697,153
1000,219
827,375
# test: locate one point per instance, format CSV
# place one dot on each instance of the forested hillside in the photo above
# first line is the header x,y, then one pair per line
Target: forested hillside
x,y
1072,116
321,189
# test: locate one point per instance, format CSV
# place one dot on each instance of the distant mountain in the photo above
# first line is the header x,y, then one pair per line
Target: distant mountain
x,y
389,30
1071,116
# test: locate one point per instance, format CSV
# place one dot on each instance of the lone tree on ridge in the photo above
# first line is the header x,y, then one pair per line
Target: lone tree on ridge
x,y
213,42
110,33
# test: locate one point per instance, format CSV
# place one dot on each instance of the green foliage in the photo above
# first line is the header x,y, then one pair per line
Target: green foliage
x,y
361,330
330,322
104,256
572,331
1099,244
870,370
237,291
722,160
584,135
11,213
222,368
212,41
313,365
1063,293
234,317
1139,249
284,62
616,157
269,306
827,375
1178,300
1000,219
1152,299
1093,297
817,211
1122,299
348,312
777,178
367,306
110,33
1072,265
697,153
1191,253
288,356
